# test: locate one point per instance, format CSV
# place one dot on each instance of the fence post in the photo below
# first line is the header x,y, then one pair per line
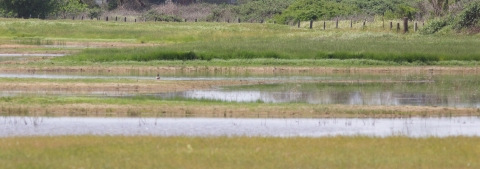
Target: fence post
x,y
238,19
405,24
364,22
135,19
125,19
196,19
311,24
106,18
116,18
415,27
336,24
82,17
351,23
73,18
324,24
398,26
383,22
391,25
298,24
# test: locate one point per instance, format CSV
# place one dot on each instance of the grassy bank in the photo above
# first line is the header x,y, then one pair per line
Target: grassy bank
x,y
238,152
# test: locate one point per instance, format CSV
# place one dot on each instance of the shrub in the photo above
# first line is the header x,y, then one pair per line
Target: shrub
x,y
468,17
434,26
315,9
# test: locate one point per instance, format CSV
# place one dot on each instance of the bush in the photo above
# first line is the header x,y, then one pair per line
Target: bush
x,y
315,9
434,26
152,15
469,17
27,8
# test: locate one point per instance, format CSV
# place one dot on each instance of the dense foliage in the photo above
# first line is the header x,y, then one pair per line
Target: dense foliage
x,y
466,19
327,9
42,8
27,8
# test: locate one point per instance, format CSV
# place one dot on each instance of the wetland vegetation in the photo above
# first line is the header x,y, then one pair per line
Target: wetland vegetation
x,y
110,67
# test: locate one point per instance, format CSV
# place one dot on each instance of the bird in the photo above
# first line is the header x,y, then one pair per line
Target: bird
x,y
158,76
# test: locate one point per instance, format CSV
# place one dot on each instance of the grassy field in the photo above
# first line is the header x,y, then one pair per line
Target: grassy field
x,y
206,41
238,152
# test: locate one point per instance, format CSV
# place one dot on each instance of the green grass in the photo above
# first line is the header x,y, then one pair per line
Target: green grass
x,y
239,152
374,45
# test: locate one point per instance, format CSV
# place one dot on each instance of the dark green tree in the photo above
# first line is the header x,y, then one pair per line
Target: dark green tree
x,y
27,8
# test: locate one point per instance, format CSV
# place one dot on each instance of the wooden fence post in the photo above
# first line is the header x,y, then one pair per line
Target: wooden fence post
x,y
351,23
391,25
298,24
383,22
311,24
106,18
405,24
125,19
196,19
73,18
324,25
336,24
238,19
116,18
415,27
398,26
363,26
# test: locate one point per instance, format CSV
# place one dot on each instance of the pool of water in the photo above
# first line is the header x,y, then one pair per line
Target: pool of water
x,y
417,90
207,127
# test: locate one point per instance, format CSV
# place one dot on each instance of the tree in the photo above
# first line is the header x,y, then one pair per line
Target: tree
x,y
27,8
71,7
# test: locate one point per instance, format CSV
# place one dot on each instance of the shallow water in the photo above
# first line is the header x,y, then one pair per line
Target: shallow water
x,y
206,127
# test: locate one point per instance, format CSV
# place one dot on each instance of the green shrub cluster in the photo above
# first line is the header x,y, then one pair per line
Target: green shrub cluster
x,y
327,9
260,9
314,10
154,15
468,18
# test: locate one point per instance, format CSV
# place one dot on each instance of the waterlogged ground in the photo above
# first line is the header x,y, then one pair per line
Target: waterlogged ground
x,y
437,90
411,127
423,90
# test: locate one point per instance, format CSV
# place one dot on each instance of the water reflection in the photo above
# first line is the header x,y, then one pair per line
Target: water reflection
x,y
205,127
388,98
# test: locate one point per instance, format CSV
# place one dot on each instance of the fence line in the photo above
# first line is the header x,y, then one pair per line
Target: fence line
x,y
392,25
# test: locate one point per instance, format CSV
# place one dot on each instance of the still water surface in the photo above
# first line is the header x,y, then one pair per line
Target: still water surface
x,y
208,127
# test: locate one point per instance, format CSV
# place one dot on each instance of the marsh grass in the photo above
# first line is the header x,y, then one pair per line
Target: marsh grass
x,y
239,152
